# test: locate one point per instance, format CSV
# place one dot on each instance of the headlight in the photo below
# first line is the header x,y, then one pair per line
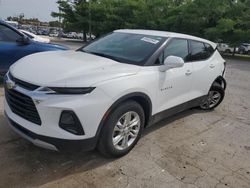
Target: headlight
x,y
67,90
72,90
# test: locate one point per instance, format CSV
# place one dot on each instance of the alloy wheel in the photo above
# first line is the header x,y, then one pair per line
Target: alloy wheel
x,y
212,100
126,130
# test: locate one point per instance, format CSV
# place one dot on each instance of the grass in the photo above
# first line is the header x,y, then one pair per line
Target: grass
x,y
237,57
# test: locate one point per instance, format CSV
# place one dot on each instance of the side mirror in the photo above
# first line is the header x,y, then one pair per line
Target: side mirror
x,y
24,40
172,62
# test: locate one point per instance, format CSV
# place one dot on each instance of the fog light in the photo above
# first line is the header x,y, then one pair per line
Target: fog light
x,y
69,122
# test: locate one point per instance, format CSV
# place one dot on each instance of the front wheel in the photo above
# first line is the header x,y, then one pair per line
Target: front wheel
x,y
214,98
122,129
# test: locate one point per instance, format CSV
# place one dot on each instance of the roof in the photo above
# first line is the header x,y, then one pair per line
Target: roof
x,y
164,34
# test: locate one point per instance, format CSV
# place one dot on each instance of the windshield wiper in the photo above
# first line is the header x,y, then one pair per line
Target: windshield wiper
x,y
103,55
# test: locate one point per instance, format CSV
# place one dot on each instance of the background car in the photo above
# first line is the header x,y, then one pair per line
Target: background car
x,y
15,45
72,35
54,34
35,37
244,48
222,47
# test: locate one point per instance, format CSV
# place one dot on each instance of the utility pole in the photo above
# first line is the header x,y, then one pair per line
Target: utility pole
x,y
89,1
60,23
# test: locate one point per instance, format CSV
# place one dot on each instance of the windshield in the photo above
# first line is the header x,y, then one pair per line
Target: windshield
x,y
125,47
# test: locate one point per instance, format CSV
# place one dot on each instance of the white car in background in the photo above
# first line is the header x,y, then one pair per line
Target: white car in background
x,y
54,34
72,35
225,48
35,37
104,94
244,48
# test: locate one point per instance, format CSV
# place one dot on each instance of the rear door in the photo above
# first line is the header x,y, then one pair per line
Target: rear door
x,y
205,66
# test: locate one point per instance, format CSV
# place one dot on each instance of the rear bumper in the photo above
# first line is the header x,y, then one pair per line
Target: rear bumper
x,y
51,143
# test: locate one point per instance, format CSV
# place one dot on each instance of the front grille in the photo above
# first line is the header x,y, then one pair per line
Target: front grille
x,y
23,84
22,105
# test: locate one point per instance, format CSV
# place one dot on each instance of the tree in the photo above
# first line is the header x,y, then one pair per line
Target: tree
x,y
54,24
227,20
74,15
234,26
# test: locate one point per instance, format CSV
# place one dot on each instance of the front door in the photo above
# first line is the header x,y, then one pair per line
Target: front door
x,y
175,85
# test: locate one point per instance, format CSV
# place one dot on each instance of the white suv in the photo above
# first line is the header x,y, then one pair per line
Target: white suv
x,y
104,94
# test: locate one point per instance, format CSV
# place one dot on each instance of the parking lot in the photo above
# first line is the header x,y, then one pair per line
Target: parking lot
x,y
191,149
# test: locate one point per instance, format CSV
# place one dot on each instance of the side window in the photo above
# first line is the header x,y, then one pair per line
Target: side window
x,y
7,34
177,47
200,51
209,49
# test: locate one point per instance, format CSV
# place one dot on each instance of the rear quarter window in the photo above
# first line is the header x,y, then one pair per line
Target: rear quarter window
x,y
209,49
200,51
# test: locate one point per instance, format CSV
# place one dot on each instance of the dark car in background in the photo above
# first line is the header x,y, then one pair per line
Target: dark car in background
x,y
14,45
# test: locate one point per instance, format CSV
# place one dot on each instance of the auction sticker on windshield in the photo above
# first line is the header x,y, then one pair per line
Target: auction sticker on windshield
x,y
150,40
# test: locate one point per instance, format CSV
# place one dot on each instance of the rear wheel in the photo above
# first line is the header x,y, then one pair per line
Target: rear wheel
x,y
214,98
122,130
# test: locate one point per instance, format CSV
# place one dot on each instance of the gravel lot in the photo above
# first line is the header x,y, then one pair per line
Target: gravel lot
x,y
191,149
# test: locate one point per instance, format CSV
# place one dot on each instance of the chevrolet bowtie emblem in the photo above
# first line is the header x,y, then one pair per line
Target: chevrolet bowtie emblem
x,y
37,101
10,85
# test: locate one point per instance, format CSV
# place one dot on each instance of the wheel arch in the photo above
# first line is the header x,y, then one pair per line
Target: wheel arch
x,y
221,81
142,98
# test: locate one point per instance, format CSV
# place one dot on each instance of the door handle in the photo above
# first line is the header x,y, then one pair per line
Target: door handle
x,y
212,66
189,72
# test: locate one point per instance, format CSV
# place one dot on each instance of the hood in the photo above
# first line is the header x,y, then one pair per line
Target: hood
x,y
69,69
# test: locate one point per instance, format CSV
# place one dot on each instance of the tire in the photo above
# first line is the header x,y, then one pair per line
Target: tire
x,y
228,51
116,128
214,98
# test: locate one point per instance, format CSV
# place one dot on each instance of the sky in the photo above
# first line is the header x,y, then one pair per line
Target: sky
x,y
40,9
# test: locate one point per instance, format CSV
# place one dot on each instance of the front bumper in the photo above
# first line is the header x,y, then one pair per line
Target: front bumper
x,y
55,144
89,109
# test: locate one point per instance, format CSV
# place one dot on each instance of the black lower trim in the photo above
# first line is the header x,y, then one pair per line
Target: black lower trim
x,y
60,144
172,111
